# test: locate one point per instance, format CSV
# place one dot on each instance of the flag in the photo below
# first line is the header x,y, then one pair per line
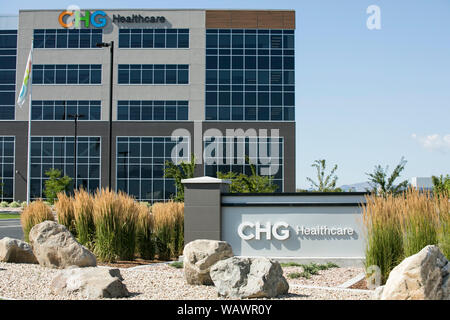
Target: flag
x,y
26,78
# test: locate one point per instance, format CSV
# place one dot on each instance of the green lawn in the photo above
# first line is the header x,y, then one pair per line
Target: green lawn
x,y
9,216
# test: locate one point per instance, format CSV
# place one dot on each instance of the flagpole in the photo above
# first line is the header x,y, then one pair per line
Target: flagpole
x,y
29,131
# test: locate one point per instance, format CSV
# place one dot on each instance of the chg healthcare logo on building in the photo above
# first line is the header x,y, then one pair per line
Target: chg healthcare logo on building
x,y
72,18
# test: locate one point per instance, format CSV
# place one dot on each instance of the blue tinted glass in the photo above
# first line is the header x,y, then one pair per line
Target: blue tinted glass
x,y
124,40
211,62
96,76
211,41
237,41
160,40
211,98
183,76
171,41
183,40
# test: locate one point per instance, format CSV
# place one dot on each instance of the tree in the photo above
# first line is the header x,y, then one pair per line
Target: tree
x,y
55,184
441,185
242,183
184,170
382,184
325,183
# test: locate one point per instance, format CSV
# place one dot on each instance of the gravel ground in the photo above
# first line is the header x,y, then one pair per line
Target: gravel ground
x,y
326,278
159,282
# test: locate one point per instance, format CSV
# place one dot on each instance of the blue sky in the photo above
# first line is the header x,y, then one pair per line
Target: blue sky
x,y
363,97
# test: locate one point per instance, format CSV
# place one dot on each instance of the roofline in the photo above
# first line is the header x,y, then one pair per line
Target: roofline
x,y
158,9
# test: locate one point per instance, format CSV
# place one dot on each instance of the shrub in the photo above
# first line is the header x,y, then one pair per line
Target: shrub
x,y
14,204
65,212
83,207
145,246
168,229
294,275
290,264
384,241
33,214
4,204
177,264
55,184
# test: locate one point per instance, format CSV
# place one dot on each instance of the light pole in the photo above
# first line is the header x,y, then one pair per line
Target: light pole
x,y
75,117
111,50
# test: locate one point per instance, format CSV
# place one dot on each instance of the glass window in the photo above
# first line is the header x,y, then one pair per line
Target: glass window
x,y
252,84
57,152
183,40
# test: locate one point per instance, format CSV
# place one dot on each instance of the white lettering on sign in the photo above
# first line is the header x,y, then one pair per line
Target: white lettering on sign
x,y
276,230
280,230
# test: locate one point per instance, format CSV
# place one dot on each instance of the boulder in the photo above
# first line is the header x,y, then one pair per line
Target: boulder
x,y
91,283
199,256
55,247
240,277
423,276
16,251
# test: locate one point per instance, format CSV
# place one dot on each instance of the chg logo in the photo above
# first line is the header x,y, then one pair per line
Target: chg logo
x,y
71,18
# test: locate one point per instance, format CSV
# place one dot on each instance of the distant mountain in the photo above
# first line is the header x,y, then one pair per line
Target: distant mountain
x,y
357,187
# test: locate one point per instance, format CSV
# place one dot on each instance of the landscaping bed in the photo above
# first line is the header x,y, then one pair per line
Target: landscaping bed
x,y
162,281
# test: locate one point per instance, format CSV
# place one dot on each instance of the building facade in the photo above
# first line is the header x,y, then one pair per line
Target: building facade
x,y
216,84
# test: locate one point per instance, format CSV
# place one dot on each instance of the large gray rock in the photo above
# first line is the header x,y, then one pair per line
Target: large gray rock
x,y
91,283
55,247
199,256
16,251
423,276
240,277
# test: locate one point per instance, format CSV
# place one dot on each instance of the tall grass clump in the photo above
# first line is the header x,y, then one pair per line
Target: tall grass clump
x,y
443,228
384,241
127,226
168,228
419,220
33,214
83,206
106,219
144,233
65,212
115,217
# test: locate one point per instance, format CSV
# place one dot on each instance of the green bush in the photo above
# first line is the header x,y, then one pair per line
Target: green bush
x,y
4,204
14,204
294,275
177,264
55,184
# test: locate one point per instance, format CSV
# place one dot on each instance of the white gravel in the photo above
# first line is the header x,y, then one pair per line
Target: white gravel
x,y
32,282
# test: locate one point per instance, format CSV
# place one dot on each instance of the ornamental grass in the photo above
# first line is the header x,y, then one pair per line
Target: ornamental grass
x,y
115,217
419,218
83,205
400,226
145,246
65,212
126,231
33,214
384,241
168,229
